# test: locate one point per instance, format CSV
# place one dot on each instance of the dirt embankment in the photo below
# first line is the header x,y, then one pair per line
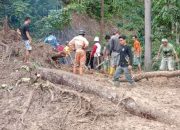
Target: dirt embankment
x,y
91,26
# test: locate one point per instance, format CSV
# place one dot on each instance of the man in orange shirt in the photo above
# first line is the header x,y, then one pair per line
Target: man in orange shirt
x,y
137,53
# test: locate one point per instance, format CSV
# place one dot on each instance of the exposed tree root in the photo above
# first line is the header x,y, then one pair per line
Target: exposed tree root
x,y
84,102
62,125
27,105
31,80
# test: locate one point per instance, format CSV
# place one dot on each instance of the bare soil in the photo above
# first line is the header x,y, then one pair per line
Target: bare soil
x,y
65,111
69,112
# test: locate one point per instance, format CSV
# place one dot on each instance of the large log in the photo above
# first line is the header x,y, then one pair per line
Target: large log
x,y
147,75
85,84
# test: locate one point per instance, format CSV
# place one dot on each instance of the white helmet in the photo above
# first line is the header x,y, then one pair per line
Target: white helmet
x,y
96,39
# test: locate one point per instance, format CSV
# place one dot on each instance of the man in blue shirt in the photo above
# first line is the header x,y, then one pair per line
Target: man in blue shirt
x,y
51,39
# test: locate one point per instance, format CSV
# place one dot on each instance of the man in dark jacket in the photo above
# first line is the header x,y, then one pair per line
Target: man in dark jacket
x,y
125,62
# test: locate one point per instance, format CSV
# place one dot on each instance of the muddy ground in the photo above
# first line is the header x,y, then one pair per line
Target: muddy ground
x,y
68,112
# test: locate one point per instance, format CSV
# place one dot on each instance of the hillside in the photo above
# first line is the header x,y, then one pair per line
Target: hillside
x,y
38,105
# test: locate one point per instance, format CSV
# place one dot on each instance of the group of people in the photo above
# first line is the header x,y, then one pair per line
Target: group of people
x,y
118,56
121,57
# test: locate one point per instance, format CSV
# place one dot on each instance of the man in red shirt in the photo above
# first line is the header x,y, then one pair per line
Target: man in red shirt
x,y
95,53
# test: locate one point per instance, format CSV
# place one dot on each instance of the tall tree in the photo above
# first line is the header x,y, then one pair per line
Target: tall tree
x,y
102,20
148,59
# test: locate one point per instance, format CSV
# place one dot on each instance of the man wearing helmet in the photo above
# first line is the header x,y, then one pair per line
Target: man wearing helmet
x,y
168,52
79,44
95,53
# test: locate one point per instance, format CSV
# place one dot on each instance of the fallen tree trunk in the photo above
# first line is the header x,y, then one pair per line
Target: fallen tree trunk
x,y
84,84
147,75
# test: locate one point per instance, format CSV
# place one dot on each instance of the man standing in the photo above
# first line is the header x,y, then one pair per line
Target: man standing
x,y
79,44
114,48
125,62
106,54
168,52
137,53
95,53
25,34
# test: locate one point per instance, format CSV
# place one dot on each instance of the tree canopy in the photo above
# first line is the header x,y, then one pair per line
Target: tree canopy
x,y
52,15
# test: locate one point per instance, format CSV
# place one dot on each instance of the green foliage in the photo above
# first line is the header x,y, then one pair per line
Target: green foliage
x,y
59,19
20,8
165,15
178,50
38,10
49,15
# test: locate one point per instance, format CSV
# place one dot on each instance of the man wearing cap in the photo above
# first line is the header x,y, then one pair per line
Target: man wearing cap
x,y
168,52
114,48
95,53
79,44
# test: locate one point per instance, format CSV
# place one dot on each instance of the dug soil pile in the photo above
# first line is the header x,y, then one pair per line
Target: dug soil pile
x,y
29,103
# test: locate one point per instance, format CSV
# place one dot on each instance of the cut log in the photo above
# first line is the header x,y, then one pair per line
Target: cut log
x,y
84,84
147,75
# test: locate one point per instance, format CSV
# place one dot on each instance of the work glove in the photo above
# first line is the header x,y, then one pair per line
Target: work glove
x,y
130,67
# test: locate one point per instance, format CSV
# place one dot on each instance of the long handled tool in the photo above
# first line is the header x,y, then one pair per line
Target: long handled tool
x,y
178,64
102,63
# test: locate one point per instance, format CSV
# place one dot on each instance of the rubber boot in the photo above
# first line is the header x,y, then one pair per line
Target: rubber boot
x,y
112,70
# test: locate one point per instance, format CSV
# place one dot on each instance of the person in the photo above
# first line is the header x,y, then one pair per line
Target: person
x,y
125,62
67,51
137,53
106,54
67,48
51,39
25,34
95,53
114,47
59,56
168,52
79,44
